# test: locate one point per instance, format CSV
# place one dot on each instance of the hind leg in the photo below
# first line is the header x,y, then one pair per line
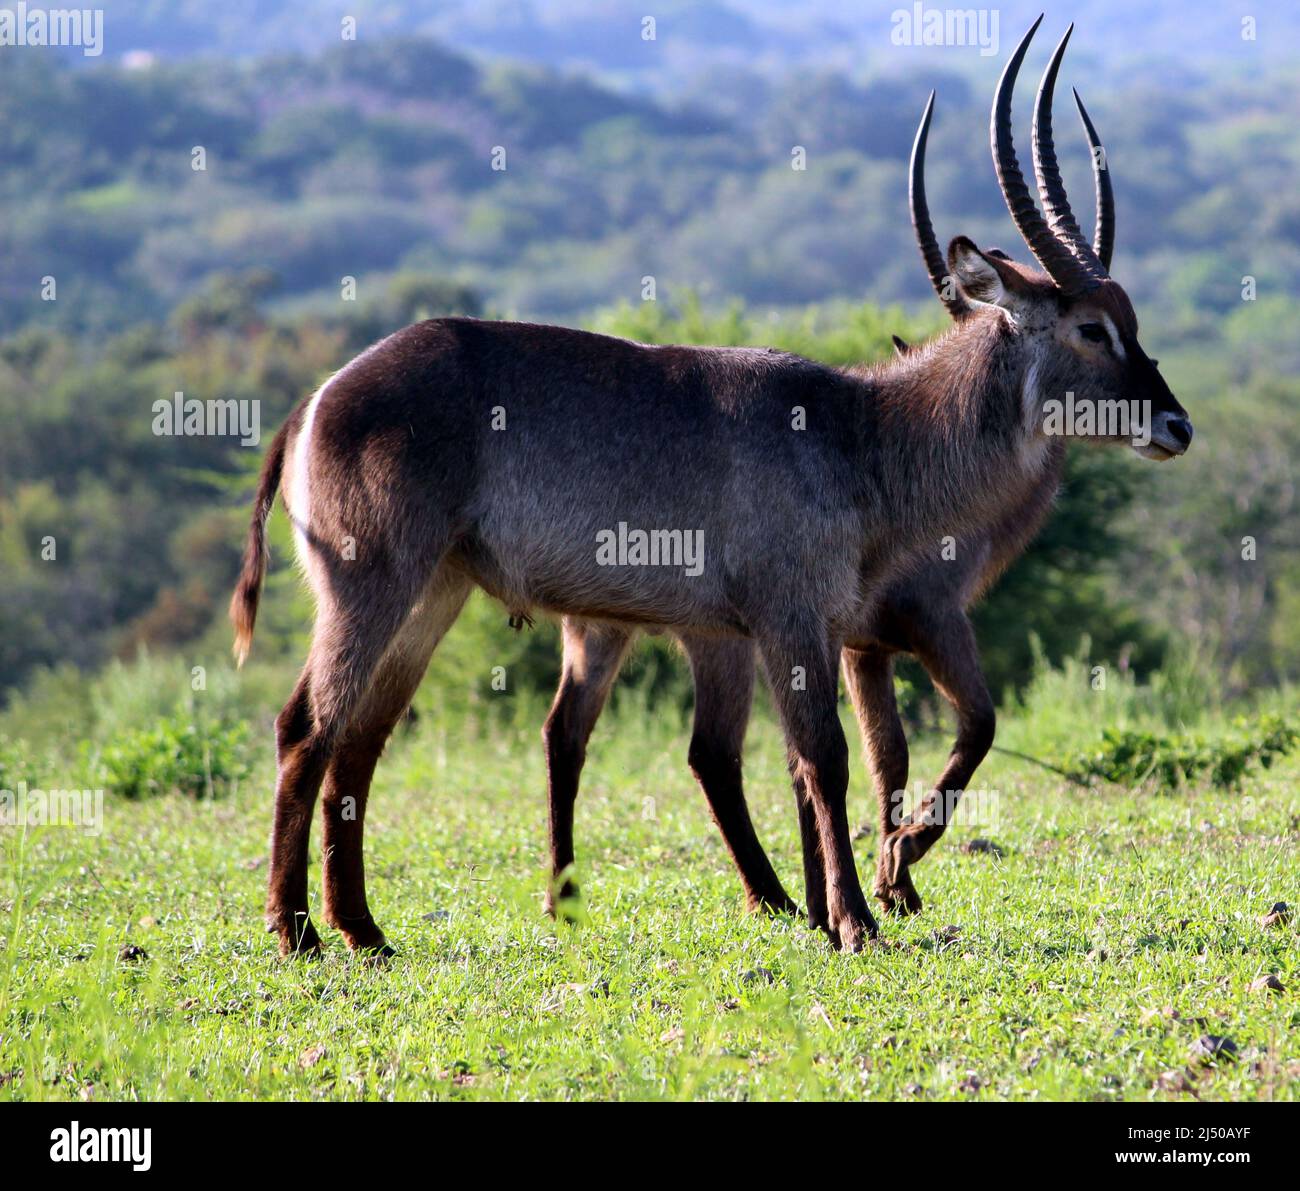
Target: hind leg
x,y
814,871
355,623
352,766
300,767
593,655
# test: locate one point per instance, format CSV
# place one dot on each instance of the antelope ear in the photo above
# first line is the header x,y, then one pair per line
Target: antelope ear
x,y
901,346
981,278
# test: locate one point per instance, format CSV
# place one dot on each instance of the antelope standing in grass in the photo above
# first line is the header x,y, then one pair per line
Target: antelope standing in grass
x,y
922,613
458,452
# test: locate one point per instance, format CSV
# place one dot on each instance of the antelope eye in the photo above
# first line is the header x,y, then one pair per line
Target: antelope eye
x,y
1094,332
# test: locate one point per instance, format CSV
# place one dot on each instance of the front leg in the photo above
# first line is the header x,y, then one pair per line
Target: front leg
x,y
948,650
869,676
802,670
593,656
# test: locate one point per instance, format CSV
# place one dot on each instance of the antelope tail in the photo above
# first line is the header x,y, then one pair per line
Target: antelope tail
x,y
248,591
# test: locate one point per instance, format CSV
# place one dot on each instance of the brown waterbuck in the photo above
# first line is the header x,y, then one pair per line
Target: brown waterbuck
x,y
458,453
922,613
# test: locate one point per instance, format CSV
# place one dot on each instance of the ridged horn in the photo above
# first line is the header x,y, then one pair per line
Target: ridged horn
x,y
935,264
1051,189
1103,235
1051,253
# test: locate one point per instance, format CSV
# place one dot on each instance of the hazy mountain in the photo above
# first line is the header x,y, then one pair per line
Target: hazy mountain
x,y
693,37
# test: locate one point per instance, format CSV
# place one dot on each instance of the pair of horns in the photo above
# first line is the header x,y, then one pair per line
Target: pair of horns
x,y
1072,263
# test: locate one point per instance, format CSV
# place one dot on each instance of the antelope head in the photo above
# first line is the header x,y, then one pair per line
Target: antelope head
x,y
1081,362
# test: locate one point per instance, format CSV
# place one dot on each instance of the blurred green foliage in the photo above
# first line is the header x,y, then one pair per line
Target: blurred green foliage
x,y
178,755
377,156
1130,757
16,765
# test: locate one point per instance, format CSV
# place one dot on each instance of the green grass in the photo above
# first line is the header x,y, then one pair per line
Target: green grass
x,y
1116,928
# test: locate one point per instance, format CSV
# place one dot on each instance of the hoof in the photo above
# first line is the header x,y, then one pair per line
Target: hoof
x,y
899,900
894,889
855,931
898,896
851,922
376,956
361,935
771,905
297,937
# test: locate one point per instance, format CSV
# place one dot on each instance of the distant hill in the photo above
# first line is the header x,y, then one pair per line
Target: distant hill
x,y
693,37
374,157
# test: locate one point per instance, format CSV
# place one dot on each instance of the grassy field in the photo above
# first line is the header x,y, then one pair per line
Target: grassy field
x,y
1114,930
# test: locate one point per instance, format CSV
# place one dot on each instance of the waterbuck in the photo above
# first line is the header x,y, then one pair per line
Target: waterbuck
x,y
458,452
922,613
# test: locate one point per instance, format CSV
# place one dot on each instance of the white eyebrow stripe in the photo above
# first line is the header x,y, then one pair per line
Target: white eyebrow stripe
x,y
1114,336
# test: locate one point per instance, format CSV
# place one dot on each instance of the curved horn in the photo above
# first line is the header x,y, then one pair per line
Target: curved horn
x,y
1054,256
1051,190
935,264
1103,236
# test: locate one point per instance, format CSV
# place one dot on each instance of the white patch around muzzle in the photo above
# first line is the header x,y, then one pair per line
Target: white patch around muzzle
x,y
1161,443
